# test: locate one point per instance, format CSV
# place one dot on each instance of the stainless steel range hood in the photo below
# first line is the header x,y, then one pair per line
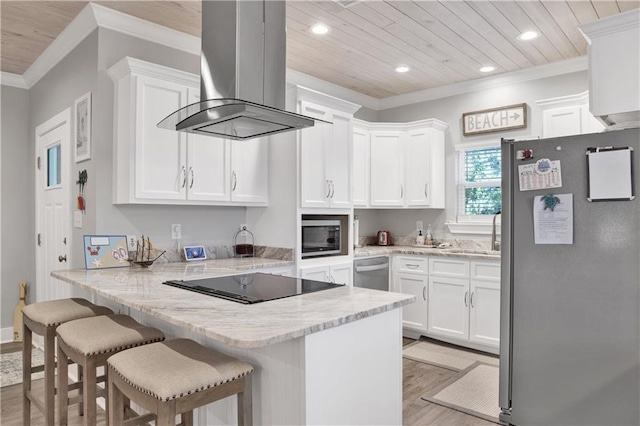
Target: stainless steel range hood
x,y
242,73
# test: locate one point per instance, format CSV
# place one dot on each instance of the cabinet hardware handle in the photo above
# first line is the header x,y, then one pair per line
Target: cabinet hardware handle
x,y
235,181
466,293
333,188
184,176
62,258
401,191
412,266
192,177
471,299
424,293
426,185
328,189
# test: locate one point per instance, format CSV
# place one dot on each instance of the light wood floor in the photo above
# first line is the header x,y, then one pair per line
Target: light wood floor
x,y
418,379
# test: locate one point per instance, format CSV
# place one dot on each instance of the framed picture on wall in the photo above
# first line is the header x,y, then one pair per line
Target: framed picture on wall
x,y
82,110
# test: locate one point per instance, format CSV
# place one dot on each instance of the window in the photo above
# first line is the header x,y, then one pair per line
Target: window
x,y
479,174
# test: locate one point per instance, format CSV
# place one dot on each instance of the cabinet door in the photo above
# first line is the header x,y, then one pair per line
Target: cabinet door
x,y
414,316
387,179
249,171
340,160
449,307
160,154
342,273
484,326
360,167
314,181
417,168
208,159
561,122
317,273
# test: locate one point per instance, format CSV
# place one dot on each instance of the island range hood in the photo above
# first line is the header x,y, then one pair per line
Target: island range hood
x,y
242,74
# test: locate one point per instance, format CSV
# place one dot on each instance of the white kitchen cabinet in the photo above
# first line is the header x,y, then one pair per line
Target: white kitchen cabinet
x,y
448,307
325,151
567,115
387,168
361,164
414,315
484,303
340,273
424,165
160,166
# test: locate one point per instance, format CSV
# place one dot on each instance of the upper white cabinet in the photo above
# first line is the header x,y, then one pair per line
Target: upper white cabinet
x,y
159,166
325,151
614,67
567,115
399,164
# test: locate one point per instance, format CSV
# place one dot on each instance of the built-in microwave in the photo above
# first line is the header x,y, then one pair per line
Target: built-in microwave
x,y
323,236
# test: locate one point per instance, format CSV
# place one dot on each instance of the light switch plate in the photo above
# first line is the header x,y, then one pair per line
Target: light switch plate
x,y
77,219
131,242
419,224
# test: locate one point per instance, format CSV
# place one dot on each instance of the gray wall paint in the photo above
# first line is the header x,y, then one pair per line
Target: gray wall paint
x,y
17,215
200,224
450,110
366,114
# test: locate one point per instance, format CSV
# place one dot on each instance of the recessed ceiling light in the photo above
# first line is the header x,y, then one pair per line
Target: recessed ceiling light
x,y
319,29
487,68
528,35
402,68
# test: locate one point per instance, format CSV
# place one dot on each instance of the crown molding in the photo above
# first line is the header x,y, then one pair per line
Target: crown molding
x,y
128,65
13,80
611,25
549,70
298,78
564,101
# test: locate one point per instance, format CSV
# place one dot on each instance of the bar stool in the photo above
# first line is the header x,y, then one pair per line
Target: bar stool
x,y
43,318
89,342
175,377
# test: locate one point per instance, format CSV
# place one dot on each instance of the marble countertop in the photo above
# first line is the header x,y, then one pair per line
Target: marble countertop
x,y
422,251
232,323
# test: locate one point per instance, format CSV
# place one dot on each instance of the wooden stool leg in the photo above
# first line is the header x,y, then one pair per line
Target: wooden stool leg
x,y
80,379
166,415
63,387
245,403
49,375
26,374
187,418
115,413
89,397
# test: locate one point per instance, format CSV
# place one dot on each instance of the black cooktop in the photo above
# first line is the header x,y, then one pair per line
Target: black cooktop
x,y
252,288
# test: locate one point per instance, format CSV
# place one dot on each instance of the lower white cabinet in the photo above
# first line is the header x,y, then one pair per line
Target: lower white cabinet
x,y
449,307
414,316
339,273
484,302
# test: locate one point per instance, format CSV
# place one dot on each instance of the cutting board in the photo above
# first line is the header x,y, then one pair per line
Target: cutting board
x,y
17,313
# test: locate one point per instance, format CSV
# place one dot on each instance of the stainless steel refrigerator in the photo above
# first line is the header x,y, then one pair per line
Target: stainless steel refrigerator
x,y
570,312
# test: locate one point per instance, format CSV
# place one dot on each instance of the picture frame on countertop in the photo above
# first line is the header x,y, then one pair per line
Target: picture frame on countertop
x,y
82,133
105,251
194,253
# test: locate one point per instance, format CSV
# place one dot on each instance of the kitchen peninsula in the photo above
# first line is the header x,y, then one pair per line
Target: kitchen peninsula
x,y
329,357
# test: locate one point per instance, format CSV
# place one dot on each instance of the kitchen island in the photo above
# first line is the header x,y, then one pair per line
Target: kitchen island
x,y
329,357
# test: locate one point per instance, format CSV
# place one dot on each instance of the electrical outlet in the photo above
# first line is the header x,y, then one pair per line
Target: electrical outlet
x,y
176,231
243,226
131,242
419,224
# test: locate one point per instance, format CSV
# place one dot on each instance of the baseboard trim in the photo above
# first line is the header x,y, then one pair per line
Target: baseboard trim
x,y
6,335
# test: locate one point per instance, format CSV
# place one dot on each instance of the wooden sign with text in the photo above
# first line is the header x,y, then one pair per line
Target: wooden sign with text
x,y
494,119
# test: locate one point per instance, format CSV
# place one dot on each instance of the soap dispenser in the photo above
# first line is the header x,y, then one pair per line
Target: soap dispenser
x,y
429,237
420,238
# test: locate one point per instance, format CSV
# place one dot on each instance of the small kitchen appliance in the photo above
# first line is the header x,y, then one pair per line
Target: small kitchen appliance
x,y
384,238
252,288
322,236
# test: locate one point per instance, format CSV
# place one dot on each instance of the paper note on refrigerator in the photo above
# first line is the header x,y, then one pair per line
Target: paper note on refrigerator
x,y
542,174
553,219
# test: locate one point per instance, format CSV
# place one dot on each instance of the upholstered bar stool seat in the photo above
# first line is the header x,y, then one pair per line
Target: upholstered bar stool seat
x,y
89,342
175,377
43,318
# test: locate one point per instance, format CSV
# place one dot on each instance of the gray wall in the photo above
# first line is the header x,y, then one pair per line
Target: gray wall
x,y
450,110
366,114
17,209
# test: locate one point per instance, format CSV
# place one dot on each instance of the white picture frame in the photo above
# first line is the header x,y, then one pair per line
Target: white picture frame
x,y
82,128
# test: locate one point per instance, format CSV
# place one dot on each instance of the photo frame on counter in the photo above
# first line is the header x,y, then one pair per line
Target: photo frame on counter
x,y
105,251
82,133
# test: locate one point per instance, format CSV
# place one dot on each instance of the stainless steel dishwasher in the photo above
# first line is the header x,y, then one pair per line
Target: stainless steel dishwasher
x,y
372,273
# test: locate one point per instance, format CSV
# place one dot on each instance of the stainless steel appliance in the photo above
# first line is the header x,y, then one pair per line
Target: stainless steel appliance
x,y
383,238
570,314
322,237
371,273
252,288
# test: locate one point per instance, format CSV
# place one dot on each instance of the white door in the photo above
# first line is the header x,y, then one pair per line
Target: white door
x,y
484,324
360,167
208,160
387,158
317,273
250,172
414,316
417,168
340,160
53,218
342,273
314,181
161,163
449,307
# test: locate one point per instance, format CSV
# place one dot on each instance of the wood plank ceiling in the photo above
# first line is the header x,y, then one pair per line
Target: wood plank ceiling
x,y
443,42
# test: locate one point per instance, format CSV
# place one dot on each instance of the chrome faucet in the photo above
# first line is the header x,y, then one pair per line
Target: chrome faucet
x,y
495,245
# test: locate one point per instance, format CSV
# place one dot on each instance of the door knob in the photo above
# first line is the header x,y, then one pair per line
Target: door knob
x,y
62,258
